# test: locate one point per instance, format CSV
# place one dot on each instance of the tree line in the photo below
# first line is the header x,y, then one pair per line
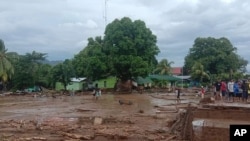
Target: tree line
x,y
127,50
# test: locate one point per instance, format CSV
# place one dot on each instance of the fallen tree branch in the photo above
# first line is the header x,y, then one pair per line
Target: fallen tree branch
x,y
33,138
76,136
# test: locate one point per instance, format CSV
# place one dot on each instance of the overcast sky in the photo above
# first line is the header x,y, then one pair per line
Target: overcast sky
x,y
61,27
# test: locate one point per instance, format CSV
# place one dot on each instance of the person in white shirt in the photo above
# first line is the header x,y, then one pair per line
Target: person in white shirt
x,y
230,87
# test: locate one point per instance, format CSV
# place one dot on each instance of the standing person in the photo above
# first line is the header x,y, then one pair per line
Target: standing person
x,y
100,92
72,92
247,91
202,92
244,88
248,83
1,86
217,86
230,87
236,89
178,92
96,93
223,90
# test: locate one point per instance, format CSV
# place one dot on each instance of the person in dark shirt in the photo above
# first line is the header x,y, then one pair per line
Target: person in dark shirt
x,y
217,86
178,92
244,88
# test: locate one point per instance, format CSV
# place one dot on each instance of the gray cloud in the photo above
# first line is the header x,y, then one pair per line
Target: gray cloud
x,y
61,27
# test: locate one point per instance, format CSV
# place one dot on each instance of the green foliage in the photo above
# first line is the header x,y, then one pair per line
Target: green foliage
x,y
130,48
44,77
63,72
218,56
34,59
128,66
198,72
163,67
6,68
30,71
23,78
91,62
160,83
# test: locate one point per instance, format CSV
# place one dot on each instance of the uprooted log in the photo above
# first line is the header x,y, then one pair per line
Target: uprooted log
x,y
171,138
126,102
33,138
84,110
76,136
112,134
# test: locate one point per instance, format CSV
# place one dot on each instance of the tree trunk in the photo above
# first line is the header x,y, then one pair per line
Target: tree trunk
x,y
124,86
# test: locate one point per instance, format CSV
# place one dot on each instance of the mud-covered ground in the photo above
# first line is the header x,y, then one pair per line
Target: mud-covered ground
x,y
147,116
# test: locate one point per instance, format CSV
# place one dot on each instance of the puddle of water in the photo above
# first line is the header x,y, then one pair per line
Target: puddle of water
x,y
161,102
198,123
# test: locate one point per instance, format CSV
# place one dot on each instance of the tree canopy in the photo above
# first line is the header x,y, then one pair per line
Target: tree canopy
x,y
217,56
198,73
63,73
6,68
30,71
91,62
131,48
127,50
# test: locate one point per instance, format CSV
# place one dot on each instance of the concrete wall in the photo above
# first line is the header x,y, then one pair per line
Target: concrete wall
x,y
240,114
216,123
211,134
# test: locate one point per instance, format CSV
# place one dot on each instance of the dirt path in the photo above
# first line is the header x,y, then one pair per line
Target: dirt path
x,y
79,117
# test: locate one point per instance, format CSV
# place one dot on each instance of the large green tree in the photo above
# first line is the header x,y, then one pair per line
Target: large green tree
x,y
130,48
63,73
216,55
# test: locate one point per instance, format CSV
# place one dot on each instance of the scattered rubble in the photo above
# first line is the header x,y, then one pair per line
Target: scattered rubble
x,y
150,117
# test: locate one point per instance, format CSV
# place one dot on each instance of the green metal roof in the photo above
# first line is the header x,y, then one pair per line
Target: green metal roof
x,y
164,77
140,80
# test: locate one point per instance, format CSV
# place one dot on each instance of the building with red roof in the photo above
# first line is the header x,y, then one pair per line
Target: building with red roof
x,y
176,70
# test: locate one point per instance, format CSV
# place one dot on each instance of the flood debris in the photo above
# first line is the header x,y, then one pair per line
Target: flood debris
x,y
98,121
84,110
76,136
79,118
33,139
126,102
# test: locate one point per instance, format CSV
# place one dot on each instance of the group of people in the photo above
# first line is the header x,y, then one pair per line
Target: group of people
x,y
232,90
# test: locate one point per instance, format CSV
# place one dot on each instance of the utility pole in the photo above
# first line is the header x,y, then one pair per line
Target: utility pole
x,y
105,12
182,77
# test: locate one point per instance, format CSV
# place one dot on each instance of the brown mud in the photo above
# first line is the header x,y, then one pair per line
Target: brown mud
x,y
146,117
80,117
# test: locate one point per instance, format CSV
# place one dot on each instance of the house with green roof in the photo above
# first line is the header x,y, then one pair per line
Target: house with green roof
x,y
76,84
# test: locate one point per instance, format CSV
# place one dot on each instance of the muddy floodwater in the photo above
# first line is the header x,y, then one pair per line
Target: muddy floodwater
x,y
118,117
80,117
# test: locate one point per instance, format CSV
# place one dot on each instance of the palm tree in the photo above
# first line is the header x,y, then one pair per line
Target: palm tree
x,y
35,59
198,72
163,67
6,68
